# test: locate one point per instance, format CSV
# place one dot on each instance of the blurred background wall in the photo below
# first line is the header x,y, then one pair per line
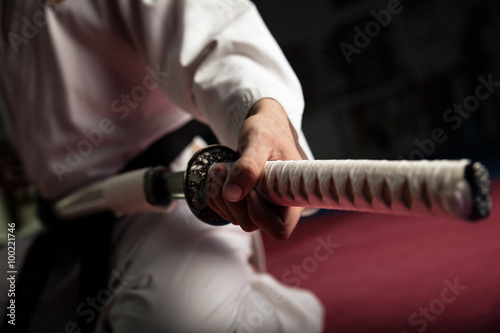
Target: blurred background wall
x,y
387,94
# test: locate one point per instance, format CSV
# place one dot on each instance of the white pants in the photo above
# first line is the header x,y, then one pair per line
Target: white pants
x,y
173,273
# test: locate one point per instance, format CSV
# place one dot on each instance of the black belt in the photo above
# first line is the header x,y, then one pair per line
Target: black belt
x,y
89,237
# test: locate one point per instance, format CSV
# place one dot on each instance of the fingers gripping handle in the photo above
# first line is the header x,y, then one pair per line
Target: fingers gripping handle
x,y
455,189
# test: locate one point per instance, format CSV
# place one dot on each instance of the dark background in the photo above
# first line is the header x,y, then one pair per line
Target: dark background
x,y
396,91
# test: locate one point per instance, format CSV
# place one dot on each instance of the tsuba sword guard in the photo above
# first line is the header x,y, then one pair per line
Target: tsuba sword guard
x,y
196,177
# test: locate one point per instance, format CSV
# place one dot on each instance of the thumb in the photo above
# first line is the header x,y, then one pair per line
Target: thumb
x,y
245,172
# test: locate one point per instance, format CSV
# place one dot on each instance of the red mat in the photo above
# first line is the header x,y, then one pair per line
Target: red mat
x,y
380,273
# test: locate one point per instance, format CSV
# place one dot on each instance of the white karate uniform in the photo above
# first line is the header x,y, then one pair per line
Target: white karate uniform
x,y
92,84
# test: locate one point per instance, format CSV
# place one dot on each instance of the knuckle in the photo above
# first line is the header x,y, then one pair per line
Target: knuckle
x,y
249,168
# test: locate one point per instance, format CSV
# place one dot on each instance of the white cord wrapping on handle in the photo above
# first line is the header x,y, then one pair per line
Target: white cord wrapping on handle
x,y
435,188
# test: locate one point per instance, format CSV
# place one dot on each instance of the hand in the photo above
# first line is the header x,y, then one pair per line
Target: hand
x,y
265,135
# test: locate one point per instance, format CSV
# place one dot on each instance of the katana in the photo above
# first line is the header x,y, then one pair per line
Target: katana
x,y
458,189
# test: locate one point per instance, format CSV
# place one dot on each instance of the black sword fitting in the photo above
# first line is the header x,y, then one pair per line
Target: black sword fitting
x,y
195,181
479,182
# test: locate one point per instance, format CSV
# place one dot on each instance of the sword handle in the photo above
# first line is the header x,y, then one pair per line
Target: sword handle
x,y
441,188
458,189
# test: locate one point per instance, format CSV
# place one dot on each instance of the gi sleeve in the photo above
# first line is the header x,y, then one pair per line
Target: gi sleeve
x,y
220,59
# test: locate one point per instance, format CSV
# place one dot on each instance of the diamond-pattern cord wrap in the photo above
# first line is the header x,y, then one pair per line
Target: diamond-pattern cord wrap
x,y
436,188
